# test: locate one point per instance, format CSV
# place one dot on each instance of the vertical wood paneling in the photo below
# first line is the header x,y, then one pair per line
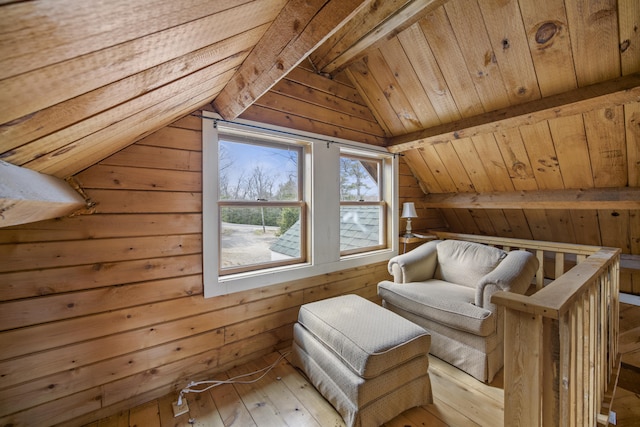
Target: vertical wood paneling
x,y
506,32
310,102
442,40
118,294
593,26
468,24
550,45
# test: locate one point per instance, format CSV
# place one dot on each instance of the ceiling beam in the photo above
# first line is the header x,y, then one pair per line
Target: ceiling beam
x,y
301,26
607,94
376,23
29,196
619,198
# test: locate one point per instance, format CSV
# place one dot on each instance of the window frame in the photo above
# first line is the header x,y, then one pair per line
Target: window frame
x,y
379,202
322,210
260,203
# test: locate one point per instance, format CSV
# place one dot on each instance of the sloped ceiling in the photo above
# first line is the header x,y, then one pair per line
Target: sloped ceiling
x,y
481,96
81,80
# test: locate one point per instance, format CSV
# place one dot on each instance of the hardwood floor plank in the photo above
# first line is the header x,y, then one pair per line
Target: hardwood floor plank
x,y
120,419
230,406
449,415
145,415
203,410
314,403
272,394
422,416
465,400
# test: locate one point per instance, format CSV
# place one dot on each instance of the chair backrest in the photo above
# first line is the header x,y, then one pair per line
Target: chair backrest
x,y
465,263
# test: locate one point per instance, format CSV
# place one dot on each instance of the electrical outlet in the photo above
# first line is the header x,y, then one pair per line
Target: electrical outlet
x,y
180,409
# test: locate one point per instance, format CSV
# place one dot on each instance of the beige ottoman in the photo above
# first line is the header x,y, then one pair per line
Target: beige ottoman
x,y
370,363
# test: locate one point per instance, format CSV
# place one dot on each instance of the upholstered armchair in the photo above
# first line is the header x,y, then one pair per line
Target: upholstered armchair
x,y
446,286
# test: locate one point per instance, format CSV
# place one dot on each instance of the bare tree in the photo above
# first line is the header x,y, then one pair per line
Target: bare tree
x,y
260,184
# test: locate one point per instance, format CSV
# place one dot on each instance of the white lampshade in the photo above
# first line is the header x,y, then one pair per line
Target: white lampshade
x,y
409,210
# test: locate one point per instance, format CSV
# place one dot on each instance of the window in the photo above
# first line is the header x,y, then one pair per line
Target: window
x,y
261,208
362,208
281,205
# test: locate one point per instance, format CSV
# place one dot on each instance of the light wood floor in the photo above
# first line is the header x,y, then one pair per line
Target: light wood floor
x,y
285,398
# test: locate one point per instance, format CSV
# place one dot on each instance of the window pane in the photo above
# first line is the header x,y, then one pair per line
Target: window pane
x,y
258,235
359,179
258,171
360,227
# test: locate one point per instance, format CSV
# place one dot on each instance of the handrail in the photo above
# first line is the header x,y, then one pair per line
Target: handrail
x,y
561,343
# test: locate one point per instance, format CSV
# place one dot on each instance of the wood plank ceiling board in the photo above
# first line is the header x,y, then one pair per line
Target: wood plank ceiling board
x,y
425,66
468,24
65,80
594,39
508,39
150,106
182,99
572,151
542,157
422,172
516,159
377,22
614,228
105,120
494,164
395,57
87,27
606,135
374,96
454,166
56,118
473,165
302,93
392,90
629,21
303,108
450,60
586,226
299,28
438,168
305,76
550,45
518,223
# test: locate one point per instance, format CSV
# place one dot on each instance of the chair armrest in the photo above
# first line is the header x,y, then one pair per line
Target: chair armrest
x,y
416,265
513,274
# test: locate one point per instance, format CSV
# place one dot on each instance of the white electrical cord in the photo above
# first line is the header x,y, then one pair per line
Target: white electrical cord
x,y
234,380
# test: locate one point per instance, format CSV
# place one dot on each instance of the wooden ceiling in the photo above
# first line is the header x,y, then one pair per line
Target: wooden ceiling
x,y
483,97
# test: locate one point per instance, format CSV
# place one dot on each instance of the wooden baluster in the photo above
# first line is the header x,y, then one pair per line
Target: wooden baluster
x,y
540,272
559,271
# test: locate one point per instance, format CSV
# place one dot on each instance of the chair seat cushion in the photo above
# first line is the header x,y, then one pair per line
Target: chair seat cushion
x,y
443,302
367,338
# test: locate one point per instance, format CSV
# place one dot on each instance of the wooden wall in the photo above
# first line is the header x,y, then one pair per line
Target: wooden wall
x,y
104,311
307,101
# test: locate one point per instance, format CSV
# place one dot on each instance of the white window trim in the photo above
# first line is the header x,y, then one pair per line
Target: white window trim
x,y
324,211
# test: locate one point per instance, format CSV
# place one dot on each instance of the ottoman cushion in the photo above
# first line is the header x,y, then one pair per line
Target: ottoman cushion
x,y
366,337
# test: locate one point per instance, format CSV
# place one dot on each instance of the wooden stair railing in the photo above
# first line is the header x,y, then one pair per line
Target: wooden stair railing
x,y
561,343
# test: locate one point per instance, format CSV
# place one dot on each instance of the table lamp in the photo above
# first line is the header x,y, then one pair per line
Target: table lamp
x,y
408,211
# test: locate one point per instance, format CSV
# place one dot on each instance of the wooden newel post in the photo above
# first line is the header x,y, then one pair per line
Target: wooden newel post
x,y
523,367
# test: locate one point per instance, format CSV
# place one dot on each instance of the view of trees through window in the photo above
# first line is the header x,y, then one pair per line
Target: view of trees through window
x,y
260,200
